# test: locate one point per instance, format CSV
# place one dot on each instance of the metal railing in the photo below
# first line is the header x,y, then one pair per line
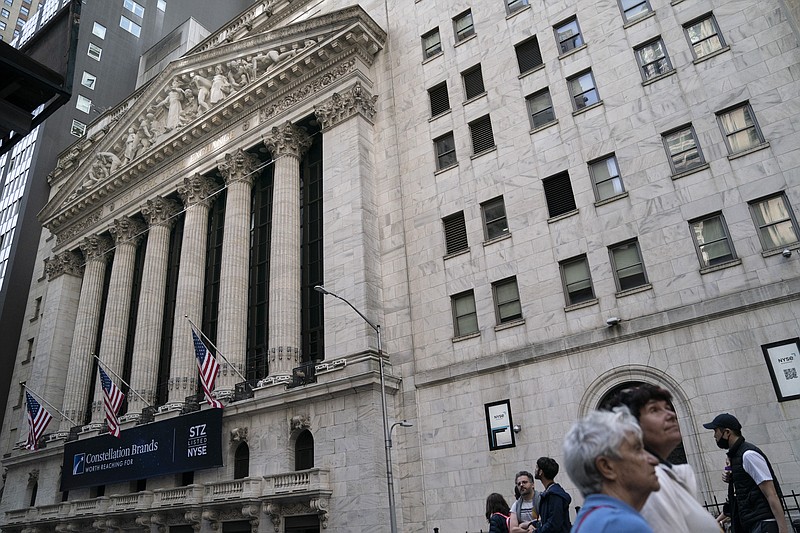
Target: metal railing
x,y
790,502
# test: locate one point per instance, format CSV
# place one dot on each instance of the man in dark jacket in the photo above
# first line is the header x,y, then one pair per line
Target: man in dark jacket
x,y
554,507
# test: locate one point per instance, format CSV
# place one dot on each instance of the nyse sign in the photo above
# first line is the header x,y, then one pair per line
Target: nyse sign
x,y
182,444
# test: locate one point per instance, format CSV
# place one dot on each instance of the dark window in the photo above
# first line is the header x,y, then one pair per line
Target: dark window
x,y
216,230
445,151
431,44
683,150
653,59
260,242
606,180
540,108
455,233
583,90
313,347
633,9
34,491
473,82
704,36
558,193
440,100
628,266
186,478
304,451
507,306
482,136
165,354
577,280
568,35
241,461
463,26
528,55
513,6
465,317
712,241
775,221
740,128
494,218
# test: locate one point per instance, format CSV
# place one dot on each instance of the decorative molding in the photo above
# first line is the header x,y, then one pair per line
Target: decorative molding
x,y
340,107
90,220
287,139
160,211
127,230
239,434
298,422
238,166
197,189
96,248
67,262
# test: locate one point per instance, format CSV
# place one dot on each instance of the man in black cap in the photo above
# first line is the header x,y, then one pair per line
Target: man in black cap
x,y
753,491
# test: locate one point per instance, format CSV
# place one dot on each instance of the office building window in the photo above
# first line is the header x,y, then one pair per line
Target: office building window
x,y
2,25
473,82
652,58
445,151
494,218
8,2
431,44
568,35
583,90
740,128
528,55
465,317
633,9
133,7
507,307
88,80
83,104
540,109
440,100
463,26
99,30
78,128
577,280
162,5
94,51
4,13
606,180
482,137
626,259
683,149
558,194
129,26
512,6
24,11
704,36
712,241
777,226
455,233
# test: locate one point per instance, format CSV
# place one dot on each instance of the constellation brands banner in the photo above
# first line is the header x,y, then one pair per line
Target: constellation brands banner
x,y
185,443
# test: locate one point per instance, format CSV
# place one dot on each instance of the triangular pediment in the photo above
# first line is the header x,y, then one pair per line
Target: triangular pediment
x,y
194,95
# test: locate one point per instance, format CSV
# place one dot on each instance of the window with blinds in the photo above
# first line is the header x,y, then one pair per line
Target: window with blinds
x,y
473,82
528,55
455,233
482,136
507,306
440,101
577,280
628,265
558,193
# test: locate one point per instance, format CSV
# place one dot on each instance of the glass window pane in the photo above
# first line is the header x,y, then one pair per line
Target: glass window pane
x,y
626,255
467,324
770,210
507,292
779,235
700,30
465,305
540,102
737,119
576,271
510,311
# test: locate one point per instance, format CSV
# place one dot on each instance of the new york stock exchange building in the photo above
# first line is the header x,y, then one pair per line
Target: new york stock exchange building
x,y
521,219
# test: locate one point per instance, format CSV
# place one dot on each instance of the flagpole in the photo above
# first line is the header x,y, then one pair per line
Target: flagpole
x,y
215,348
131,389
50,405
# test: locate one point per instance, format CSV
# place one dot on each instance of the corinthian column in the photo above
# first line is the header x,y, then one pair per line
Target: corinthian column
x,y
79,373
127,233
287,144
160,216
238,169
195,193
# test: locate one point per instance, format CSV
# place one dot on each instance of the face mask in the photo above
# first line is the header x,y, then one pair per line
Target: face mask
x,y
723,443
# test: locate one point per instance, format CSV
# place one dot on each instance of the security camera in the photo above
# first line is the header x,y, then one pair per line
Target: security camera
x,y
613,321
517,428
786,252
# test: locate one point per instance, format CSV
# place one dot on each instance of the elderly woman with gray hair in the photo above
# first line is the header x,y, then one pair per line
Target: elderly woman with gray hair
x,y
604,456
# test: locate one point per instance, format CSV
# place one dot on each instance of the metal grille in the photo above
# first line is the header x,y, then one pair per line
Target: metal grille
x,y
473,82
528,55
455,233
558,192
482,136
440,101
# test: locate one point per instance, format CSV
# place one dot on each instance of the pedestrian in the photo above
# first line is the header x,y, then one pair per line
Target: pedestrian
x,y
554,506
526,509
605,458
754,494
497,513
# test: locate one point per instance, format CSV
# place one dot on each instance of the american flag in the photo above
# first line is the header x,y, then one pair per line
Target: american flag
x,y
38,418
112,399
208,370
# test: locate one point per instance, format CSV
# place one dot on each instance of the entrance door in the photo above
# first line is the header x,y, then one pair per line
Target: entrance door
x,y
302,524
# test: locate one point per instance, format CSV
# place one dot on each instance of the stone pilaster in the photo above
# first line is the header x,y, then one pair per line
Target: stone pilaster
x,y
287,144
239,170
127,234
196,195
159,213
342,106
76,393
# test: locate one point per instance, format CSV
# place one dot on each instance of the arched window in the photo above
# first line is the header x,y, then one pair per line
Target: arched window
x,y
241,461
34,490
304,451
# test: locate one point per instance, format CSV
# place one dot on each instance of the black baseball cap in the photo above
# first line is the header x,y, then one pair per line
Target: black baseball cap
x,y
724,420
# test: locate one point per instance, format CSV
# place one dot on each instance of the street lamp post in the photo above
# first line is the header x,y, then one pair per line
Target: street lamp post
x,y
387,436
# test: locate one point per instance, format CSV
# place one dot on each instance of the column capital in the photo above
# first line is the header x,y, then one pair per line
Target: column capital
x,y
160,211
287,139
342,106
127,230
95,248
238,166
197,189
64,263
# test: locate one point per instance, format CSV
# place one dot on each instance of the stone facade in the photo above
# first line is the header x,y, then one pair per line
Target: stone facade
x,y
690,319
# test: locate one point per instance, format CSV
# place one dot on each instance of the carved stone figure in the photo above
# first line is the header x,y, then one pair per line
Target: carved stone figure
x,y
220,87
173,102
144,134
190,110
131,143
203,86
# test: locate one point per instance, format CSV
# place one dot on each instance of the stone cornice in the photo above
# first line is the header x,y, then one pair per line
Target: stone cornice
x,y
342,106
64,263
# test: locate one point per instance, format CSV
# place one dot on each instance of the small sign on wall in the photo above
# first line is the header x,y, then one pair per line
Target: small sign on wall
x,y
499,425
783,361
